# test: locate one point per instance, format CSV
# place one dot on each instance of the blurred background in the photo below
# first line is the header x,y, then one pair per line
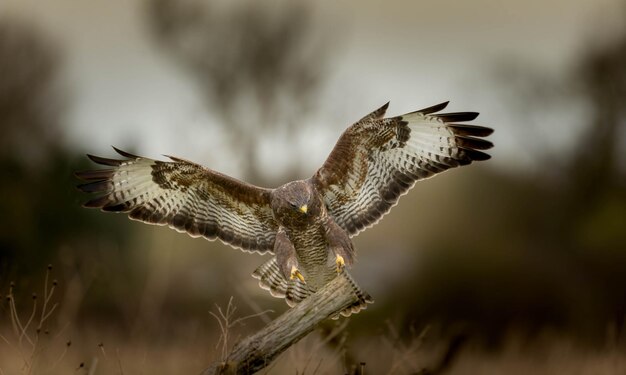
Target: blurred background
x,y
517,264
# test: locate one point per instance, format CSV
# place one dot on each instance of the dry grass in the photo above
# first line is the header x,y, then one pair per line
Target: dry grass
x,y
312,355
34,341
546,356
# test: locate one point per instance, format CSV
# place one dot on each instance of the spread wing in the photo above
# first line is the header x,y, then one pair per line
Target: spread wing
x,y
377,160
186,197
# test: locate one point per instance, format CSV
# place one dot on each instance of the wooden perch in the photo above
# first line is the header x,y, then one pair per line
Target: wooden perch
x,y
259,349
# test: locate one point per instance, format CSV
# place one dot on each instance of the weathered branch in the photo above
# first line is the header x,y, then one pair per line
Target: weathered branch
x,y
258,350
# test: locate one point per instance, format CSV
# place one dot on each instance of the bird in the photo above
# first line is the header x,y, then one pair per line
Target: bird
x,y
306,225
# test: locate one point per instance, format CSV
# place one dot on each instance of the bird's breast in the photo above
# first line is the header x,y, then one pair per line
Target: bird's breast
x,y
313,255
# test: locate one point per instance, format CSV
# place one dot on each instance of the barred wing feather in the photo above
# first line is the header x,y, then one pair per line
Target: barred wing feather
x,y
377,160
186,197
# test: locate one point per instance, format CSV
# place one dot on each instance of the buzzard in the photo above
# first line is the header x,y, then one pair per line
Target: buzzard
x,y
306,224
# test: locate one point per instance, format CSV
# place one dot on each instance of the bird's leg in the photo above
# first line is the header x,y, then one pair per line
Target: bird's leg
x,y
295,272
340,262
286,256
339,244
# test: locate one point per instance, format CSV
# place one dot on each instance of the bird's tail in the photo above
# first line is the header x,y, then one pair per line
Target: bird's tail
x,y
363,297
293,291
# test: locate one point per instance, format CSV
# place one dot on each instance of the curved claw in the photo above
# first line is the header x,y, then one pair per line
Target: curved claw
x,y
340,263
296,273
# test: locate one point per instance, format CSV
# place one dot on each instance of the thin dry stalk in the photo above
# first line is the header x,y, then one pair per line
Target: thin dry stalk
x,y
93,366
226,323
18,328
21,330
30,320
45,313
67,345
119,361
406,353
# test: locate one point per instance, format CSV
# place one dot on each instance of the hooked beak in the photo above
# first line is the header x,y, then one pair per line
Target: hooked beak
x,y
303,209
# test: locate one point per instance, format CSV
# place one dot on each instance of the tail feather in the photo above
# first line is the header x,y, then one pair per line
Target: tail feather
x,y
271,279
363,296
293,291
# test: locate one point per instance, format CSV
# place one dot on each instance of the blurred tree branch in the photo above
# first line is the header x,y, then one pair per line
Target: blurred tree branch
x,y
258,66
261,348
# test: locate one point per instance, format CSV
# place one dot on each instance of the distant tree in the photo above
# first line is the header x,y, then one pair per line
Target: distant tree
x,y
40,208
596,166
29,102
258,64
554,249
28,130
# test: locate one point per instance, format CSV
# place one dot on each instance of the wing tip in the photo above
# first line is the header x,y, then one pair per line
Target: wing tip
x,y
476,155
91,175
473,143
99,202
457,116
377,114
470,130
125,154
104,161
434,108
95,186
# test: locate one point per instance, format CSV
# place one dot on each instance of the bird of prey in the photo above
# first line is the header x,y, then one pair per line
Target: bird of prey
x,y
306,225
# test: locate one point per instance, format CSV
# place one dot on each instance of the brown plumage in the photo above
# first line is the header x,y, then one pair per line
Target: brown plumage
x,y
306,224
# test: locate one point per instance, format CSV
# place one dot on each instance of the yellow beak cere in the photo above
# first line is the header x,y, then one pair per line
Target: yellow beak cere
x,y
303,209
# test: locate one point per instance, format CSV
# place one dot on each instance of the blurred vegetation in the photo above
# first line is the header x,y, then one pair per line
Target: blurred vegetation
x,y
549,250
41,221
530,251
259,66
30,154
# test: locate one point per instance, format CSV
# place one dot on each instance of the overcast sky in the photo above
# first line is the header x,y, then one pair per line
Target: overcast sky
x,y
125,91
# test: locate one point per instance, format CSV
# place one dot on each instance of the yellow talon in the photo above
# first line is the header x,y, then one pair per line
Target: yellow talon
x,y
340,263
296,273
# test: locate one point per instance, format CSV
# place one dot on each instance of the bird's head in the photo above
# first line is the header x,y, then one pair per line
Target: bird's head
x,y
296,203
